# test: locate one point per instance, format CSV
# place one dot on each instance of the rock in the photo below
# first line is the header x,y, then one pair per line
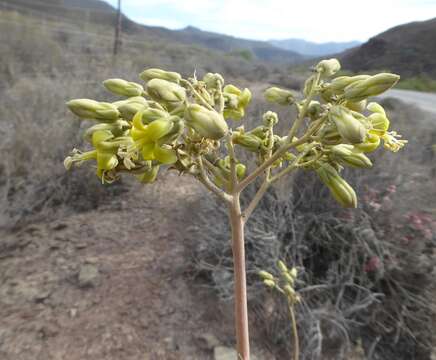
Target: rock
x,y
207,341
224,353
89,276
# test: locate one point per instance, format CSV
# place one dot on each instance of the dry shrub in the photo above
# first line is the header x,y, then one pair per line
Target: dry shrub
x,y
37,133
365,273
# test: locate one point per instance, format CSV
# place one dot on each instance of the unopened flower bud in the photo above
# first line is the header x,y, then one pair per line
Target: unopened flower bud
x,y
130,107
265,275
90,109
149,115
279,96
348,155
339,188
289,279
270,119
282,267
248,141
166,91
207,123
356,106
240,170
293,272
351,129
150,74
338,84
328,68
289,291
212,80
269,283
373,86
314,110
376,108
123,87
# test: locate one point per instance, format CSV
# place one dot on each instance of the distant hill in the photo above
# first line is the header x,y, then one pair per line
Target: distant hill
x,y
313,49
409,50
260,50
101,12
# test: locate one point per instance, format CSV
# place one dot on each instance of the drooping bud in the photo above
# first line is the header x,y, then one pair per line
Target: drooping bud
x,y
350,128
269,283
91,109
130,107
339,188
207,123
123,87
248,141
166,91
265,275
373,86
347,155
328,68
279,96
150,74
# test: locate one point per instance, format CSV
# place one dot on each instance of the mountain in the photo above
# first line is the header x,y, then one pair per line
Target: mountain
x,y
409,50
313,49
100,12
260,50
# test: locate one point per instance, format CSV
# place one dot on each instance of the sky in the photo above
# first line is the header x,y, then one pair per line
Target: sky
x,y
313,20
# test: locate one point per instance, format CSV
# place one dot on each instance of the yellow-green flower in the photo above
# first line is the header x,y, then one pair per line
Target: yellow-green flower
x,y
147,138
236,101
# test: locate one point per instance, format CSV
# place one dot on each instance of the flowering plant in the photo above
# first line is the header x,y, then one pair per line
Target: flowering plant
x,y
194,126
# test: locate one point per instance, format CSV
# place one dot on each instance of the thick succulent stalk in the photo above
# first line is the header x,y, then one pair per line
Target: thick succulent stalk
x,y
241,309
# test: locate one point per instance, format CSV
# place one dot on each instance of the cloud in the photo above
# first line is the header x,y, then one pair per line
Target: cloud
x,y
316,20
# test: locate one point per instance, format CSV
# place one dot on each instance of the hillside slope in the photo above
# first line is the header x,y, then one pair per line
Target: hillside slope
x,y
99,12
409,50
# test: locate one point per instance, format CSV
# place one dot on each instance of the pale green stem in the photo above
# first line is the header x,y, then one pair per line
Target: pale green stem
x,y
293,165
204,179
279,153
294,331
303,110
197,95
221,97
266,182
232,156
212,168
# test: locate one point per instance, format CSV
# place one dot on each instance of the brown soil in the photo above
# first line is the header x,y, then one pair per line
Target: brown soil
x,y
140,306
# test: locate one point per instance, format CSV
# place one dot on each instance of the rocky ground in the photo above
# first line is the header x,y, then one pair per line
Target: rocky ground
x,y
113,284
110,284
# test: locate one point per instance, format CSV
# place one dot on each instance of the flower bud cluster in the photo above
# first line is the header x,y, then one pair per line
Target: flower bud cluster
x,y
183,123
284,282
